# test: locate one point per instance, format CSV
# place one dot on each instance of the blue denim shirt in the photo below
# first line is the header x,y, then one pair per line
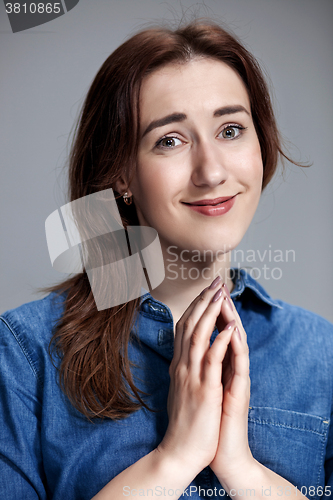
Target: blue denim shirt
x,y
49,450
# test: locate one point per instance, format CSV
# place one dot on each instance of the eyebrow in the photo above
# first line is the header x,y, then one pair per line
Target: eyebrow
x,y
230,110
180,117
173,118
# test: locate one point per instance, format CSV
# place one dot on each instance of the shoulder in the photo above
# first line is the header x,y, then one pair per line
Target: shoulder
x,y
26,331
37,317
292,328
280,317
302,321
304,332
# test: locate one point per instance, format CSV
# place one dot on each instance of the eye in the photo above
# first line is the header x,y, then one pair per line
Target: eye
x,y
168,142
231,131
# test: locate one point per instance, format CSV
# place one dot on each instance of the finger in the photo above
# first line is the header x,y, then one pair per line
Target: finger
x,y
237,393
212,373
197,344
187,322
222,319
229,312
179,330
221,324
227,368
240,354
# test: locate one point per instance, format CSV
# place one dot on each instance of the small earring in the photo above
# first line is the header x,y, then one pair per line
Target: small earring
x,y
127,199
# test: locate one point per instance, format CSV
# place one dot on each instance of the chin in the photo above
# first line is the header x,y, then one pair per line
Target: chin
x,y
207,243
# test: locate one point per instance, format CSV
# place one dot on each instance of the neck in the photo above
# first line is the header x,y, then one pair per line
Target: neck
x,y
187,274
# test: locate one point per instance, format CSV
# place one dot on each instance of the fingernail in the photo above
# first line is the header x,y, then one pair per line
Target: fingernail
x,y
226,298
215,282
224,286
230,325
203,291
238,333
217,295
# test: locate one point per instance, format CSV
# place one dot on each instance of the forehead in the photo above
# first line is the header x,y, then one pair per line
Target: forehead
x,y
199,85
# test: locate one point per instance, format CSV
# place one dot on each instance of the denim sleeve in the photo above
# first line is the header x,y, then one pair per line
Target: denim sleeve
x,y
21,469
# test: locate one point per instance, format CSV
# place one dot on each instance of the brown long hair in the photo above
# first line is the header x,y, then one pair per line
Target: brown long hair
x,y
95,371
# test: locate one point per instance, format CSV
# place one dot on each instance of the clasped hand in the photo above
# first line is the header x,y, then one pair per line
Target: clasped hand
x,y
209,388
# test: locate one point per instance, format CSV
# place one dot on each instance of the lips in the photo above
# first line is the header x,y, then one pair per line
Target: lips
x,y
213,207
213,203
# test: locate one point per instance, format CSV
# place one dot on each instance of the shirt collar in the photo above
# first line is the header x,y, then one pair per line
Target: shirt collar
x,y
242,280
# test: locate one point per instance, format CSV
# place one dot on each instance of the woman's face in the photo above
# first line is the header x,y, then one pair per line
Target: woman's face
x,y
198,145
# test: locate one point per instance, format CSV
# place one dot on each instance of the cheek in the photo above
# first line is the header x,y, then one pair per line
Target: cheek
x,y
258,169
250,172
159,181
150,189
251,168
153,186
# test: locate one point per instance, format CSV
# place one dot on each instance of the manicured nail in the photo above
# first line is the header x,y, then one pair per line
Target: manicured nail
x,y
203,291
238,333
215,282
218,295
230,325
226,289
226,298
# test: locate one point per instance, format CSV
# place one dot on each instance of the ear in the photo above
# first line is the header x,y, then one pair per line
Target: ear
x,y
121,186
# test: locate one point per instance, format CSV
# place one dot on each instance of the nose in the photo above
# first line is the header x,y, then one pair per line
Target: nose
x,y
209,165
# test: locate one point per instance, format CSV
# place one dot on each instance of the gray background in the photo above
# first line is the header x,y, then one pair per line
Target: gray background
x,y
46,72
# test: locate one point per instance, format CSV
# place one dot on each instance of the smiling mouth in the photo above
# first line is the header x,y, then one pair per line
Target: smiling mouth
x,y
211,203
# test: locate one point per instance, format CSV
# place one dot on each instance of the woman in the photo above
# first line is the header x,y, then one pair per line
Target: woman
x,y
153,396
